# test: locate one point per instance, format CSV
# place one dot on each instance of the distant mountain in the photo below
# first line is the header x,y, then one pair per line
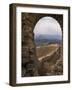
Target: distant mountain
x,y
45,38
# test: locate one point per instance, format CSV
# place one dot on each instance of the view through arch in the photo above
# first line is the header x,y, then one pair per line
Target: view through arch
x,y
48,41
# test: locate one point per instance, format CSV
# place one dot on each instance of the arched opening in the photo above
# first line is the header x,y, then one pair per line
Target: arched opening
x,y
47,31
48,41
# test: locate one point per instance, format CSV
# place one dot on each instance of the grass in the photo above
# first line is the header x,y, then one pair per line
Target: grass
x,y
45,49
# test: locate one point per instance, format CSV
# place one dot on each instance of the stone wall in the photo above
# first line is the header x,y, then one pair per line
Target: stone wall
x,y
29,59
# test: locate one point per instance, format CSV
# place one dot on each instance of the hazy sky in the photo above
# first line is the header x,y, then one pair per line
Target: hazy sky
x,y
47,25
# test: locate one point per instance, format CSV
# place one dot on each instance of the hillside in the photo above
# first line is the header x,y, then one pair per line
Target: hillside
x,y
49,39
51,60
45,49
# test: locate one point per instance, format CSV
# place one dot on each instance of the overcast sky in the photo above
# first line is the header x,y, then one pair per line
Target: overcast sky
x,y
49,26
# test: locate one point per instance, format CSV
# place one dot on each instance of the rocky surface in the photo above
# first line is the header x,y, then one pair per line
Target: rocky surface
x,y
29,59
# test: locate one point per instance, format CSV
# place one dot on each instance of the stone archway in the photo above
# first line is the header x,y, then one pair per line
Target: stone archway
x,y
30,63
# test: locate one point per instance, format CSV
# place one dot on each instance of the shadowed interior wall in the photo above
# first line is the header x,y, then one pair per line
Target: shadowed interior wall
x,y
30,63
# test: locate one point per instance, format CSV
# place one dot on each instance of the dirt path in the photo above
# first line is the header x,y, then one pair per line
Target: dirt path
x,y
45,51
48,54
